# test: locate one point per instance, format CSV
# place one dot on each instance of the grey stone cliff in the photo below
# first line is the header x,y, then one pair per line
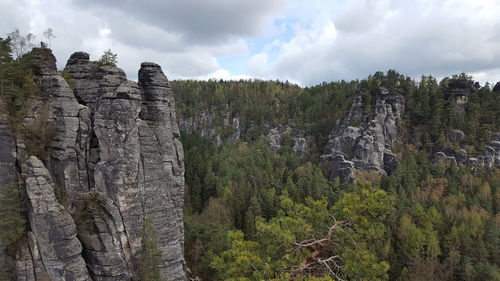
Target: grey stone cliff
x,y
363,141
53,230
275,138
203,124
115,160
489,158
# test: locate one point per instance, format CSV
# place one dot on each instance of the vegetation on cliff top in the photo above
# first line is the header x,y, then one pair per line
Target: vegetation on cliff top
x,y
425,221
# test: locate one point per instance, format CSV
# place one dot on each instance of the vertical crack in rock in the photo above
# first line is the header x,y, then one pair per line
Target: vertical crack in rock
x,y
53,228
116,159
116,174
136,160
68,151
163,167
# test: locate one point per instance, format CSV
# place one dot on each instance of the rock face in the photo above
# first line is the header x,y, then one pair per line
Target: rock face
x,y
53,230
363,140
276,135
115,160
458,91
203,124
459,156
496,88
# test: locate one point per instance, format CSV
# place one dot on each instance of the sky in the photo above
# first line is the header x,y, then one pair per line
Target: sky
x,y
303,41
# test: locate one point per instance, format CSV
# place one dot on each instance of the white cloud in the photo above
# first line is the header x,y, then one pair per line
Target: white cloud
x,y
413,37
307,41
140,33
492,76
219,74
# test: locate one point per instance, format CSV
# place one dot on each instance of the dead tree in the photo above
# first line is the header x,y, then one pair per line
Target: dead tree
x,y
320,258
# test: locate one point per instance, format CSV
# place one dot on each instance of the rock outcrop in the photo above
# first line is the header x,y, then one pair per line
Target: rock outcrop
x,y
459,155
458,91
204,124
55,249
362,140
276,135
496,88
113,160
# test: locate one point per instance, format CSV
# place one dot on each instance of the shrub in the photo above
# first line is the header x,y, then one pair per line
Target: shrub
x,y
12,214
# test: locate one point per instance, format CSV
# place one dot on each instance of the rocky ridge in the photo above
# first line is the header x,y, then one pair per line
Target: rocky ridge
x,y
204,125
459,155
115,160
363,140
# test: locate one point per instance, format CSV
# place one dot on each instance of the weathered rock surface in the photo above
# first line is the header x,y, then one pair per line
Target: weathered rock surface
x,y
101,231
275,138
459,156
363,141
203,124
92,79
53,228
116,159
162,167
140,164
458,91
497,87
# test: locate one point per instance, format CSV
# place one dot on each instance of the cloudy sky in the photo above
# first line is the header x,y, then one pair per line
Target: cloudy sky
x,y
305,41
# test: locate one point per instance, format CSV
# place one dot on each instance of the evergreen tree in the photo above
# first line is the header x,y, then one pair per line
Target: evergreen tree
x,y
108,58
12,214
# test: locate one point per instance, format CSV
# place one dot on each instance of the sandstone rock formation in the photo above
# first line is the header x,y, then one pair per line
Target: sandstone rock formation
x,y
459,156
203,124
53,230
362,140
115,159
275,137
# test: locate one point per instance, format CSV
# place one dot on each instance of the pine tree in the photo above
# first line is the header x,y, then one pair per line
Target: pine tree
x,y
108,58
12,220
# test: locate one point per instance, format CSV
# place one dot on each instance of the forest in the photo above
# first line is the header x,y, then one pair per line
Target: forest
x,y
256,214
253,213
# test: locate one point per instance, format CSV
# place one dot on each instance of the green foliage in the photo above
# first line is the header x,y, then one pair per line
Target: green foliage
x,y
12,214
150,256
369,208
39,135
67,76
21,44
108,58
432,110
273,254
17,83
422,222
241,261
